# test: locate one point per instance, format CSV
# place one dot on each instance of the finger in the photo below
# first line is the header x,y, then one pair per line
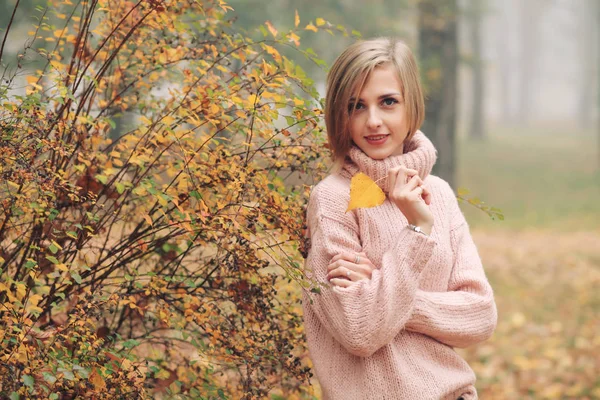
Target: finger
x,y
392,178
353,272
426,195
400,179
411,172
414,182
349,257
339,273
419,191
341,283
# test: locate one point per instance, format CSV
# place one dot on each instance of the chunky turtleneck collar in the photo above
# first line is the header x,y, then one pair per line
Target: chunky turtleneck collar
x,y
419,154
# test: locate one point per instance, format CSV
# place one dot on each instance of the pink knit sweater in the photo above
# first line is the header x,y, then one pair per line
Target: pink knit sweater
x,y
392,337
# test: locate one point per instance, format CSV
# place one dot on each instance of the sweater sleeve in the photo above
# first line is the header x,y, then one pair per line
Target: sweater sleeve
x,y
369,314
466,314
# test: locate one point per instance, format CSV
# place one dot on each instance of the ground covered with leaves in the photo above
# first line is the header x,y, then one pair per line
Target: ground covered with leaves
x,y
546,345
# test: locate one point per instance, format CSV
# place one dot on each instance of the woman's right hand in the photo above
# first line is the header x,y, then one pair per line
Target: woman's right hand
x,y
407,192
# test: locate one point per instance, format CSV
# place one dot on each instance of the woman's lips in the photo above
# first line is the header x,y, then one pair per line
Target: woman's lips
x,y
377,140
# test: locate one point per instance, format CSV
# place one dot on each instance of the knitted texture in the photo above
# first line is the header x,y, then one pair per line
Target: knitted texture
x,y
392,337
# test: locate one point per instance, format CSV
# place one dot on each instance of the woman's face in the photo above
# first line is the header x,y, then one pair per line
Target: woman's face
x,y
378,125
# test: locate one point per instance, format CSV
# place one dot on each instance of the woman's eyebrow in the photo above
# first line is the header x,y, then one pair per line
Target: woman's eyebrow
x,y
352,99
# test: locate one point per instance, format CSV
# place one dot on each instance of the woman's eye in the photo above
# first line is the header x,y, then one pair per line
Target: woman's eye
x,y
389,101
352,107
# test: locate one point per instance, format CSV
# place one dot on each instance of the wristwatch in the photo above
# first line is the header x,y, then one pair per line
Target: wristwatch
x,y
416,229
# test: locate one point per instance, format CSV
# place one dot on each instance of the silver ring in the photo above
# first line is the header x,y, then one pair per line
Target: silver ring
x,y
348,274
357,259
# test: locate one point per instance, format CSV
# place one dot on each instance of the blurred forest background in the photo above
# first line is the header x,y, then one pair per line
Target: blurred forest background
x,y
513,108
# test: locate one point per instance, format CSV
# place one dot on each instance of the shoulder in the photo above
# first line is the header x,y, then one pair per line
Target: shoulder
x,y
330,197
444,199
440,187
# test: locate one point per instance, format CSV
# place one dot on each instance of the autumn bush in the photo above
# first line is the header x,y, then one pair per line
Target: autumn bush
x,y
153,257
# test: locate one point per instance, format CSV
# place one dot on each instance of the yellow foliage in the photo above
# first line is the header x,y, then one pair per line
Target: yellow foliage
x,y
160,239
311,27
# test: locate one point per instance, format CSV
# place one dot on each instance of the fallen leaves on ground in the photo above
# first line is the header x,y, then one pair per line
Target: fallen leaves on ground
x,y
547,344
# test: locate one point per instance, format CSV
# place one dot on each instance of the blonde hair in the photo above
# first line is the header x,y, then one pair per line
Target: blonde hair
x,y
347,77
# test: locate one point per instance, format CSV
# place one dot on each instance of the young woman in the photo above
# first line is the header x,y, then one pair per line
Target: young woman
x,y
404,281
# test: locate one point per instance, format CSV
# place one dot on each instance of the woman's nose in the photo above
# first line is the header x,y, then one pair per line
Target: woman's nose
x,y
374,120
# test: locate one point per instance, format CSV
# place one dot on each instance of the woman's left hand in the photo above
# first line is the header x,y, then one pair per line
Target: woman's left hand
x,y
347,268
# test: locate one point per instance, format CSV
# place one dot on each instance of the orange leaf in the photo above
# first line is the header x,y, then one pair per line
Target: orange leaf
x,y
296,19
97,380
271,28
311,27
364,193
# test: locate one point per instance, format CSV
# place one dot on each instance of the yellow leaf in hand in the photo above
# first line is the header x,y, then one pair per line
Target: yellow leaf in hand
x,y
364,193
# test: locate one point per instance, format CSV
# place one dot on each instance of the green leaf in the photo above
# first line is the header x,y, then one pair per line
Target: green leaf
x,y
290,120
53,214
462,192
76,277
102,178
14,396
53,248
120,187
131,343
28,380
52,259
263,30
316,290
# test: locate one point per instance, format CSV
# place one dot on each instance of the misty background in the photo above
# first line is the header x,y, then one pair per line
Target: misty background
x,y
511,86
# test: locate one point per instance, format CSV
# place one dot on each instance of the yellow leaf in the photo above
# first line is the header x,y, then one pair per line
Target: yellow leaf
x,y
34,299
311,27
163,374
31,79
364,193
57,64
97,380
59,32
271,28
148,220
294,38
320,22
21,290
273,52
296,19
62,267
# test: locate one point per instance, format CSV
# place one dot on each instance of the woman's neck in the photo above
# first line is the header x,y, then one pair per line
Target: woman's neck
x,y
418,154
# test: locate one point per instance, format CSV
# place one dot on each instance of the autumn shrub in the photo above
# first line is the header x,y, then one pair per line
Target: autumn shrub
x,y
149,228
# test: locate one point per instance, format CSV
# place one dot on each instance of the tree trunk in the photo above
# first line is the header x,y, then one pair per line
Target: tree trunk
x,y
586,104
438,51
530,14
477,129
598,76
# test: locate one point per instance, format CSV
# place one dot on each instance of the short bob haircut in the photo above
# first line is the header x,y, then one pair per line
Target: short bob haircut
x,y
347,77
